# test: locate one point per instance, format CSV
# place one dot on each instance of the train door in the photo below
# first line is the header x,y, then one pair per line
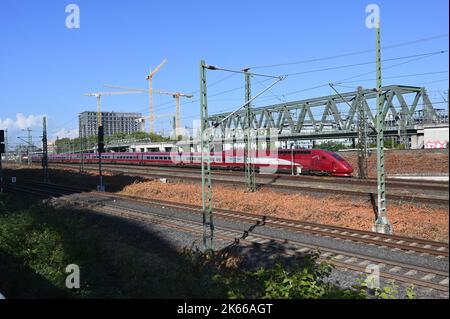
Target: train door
x,y
315,163
320,164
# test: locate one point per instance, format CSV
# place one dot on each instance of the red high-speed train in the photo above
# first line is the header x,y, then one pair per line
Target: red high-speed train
x,y
299,161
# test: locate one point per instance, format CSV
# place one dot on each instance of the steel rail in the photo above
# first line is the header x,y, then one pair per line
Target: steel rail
x,y
338,232
323,188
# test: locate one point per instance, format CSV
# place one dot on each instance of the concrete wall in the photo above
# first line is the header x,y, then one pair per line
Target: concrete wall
x,y
436,137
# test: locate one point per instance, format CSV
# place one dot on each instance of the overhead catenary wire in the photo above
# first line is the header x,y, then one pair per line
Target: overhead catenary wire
x,y
367,63
389,67
343,80
396,77
417,56
351,53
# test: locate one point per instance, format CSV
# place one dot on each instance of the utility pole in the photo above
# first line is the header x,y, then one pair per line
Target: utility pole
x,y
29,144
44,150
382,224
248,156
208,223
362,136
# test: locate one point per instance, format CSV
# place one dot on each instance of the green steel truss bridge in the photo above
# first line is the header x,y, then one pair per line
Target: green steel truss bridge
x,y
405,110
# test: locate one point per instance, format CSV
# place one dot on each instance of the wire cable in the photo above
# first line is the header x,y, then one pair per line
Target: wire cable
x,y
352,53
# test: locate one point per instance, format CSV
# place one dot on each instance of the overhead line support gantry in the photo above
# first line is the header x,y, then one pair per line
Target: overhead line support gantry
x,y
382,224
205,139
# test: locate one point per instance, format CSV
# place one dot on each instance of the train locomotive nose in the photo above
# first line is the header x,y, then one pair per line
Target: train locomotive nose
x,y
344,169
348,168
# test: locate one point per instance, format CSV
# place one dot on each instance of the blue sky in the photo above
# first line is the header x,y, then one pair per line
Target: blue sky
x,y
46,68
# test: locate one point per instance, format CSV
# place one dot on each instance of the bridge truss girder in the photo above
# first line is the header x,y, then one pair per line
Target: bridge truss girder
x,y
330,116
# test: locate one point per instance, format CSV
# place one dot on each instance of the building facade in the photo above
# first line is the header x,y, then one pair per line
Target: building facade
x,y
113,122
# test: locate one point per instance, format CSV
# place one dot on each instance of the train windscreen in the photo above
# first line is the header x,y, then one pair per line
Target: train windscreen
x,y
337,156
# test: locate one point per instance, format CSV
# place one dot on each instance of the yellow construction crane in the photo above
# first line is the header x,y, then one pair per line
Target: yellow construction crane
x,y
175,95
99,95
149,78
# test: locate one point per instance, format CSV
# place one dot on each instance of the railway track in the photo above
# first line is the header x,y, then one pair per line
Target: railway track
x,y
406,192
336,232
390,269
413,191
432,185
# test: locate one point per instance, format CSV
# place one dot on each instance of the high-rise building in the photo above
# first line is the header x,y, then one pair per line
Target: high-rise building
x,y
113,122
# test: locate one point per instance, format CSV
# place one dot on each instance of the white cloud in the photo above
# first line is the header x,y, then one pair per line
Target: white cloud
x,y
21,122
62,133
34,122
6,123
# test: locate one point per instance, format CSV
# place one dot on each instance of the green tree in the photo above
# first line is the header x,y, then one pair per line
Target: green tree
x,y
331,146
65,145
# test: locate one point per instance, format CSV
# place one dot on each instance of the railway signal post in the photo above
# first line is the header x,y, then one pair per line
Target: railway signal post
x,y
44,150
382,224
83,129
101,149
2,150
